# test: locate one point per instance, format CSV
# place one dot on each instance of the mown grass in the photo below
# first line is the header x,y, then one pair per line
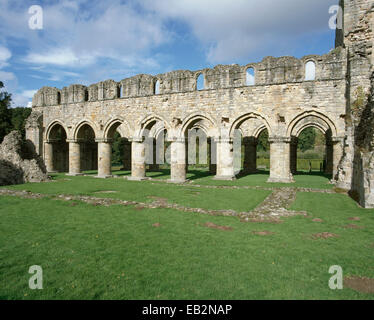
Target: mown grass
x,y
147,191
96,252
202,176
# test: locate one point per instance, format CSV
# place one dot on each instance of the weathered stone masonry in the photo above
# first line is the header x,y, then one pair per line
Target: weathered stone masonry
x,y
281,101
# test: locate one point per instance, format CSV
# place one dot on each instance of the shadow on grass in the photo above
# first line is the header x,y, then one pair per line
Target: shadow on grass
x,y
198,174
243,174
313,173
298,173
158,173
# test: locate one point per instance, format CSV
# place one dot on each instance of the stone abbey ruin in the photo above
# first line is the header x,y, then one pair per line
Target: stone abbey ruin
x,y
72,128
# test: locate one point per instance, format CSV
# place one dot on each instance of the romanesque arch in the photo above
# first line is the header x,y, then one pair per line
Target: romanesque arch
x,y
118,131
247,128
149,122
56,147
200,133
251,115
86,135
117,125
85,124
313,119
150,129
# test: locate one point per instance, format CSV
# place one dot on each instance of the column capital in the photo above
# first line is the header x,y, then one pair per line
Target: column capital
x,y
136,139
279,139
223,140
103,140
51,140
72,140
177,139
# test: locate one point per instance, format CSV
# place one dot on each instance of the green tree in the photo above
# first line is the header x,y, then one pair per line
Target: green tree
x,y
117,149
19,116
5,113
263,141
307,139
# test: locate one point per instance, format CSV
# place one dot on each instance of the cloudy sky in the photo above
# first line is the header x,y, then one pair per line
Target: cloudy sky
x,y
86,41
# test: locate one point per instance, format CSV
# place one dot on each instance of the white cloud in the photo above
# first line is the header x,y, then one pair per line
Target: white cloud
x,y
59,57
23,99
28,93
78,33
230,30
5,55
7,76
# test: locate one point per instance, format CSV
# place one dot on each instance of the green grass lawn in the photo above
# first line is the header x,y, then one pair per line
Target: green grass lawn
x,y
203,177
115,252
147,191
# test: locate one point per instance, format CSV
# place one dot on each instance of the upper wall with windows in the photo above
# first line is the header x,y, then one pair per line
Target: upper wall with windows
x,y
269,71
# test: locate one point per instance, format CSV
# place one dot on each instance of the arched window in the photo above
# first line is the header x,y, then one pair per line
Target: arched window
x,y
157,87
200,82
310,71
250,77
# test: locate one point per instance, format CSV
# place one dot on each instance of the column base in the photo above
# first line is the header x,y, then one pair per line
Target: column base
x,y
104,176
227,178
280,180
74,174
176,181
137,178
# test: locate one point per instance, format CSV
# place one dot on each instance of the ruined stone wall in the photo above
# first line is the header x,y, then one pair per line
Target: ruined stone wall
x,y
267,72
355,171
19,162
281,101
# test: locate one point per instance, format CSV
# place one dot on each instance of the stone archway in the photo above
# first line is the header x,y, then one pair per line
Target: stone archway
x,y
198,135
117,131
56,148
86,137
245,132
319,122
145,152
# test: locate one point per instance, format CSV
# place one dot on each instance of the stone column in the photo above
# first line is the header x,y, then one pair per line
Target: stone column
x,y
329,157
74,158
225,160
126,157
293,154
48,156
338,145
154,165
250,155
178,161
212,151
137,160
280,160
104,164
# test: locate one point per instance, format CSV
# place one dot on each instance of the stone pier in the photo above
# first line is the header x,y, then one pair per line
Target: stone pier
x,y
225,160
250,155
74,158
280,169
104,158
137,160
178,167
